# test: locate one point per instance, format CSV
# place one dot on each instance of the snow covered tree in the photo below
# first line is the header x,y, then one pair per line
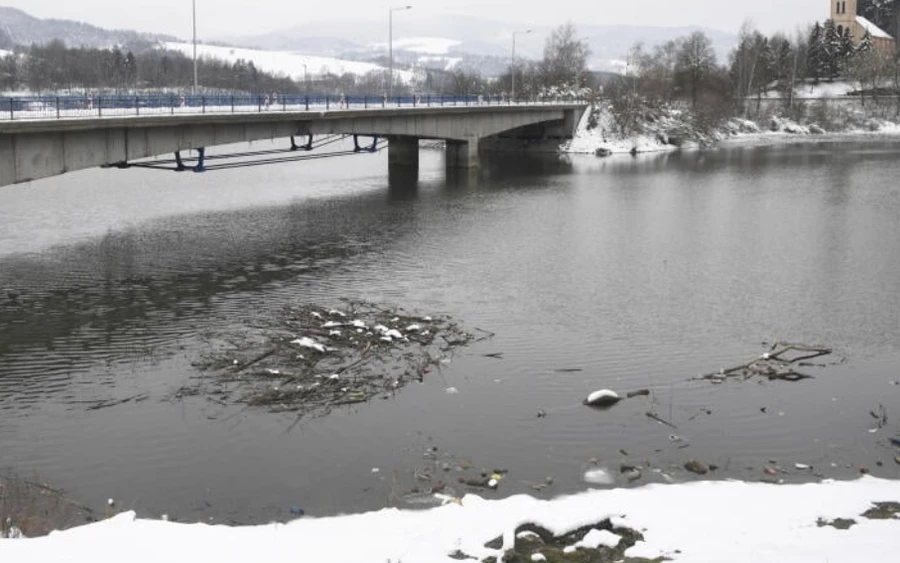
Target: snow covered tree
x,y
816,56
832,49
865,44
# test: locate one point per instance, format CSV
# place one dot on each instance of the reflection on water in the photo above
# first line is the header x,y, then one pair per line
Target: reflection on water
x,y
640,272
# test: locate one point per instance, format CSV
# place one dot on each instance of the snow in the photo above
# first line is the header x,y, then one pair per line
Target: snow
x,y
702,522
597,538
874,30
604,138
284,62
426,45
599,476
837,89
307,342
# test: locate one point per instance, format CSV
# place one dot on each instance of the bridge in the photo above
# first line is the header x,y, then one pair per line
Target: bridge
x,y
38,140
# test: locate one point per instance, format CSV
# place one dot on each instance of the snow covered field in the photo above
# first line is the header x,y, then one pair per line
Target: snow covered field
x,y
284,62
698,522
426,45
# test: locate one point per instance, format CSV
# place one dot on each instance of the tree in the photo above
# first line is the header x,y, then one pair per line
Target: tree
x,y
565,59
695,60
816,55
869,69
832,49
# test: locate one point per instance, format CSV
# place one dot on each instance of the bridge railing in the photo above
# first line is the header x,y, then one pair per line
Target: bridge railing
x,y
99,106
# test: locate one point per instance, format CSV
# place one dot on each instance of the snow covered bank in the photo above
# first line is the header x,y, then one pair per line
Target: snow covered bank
x,y
598,133
699,522
667,129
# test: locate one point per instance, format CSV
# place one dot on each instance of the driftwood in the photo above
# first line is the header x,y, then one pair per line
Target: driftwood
x,y
779,363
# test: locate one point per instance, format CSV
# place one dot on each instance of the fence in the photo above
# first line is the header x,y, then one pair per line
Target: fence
x,y
62,107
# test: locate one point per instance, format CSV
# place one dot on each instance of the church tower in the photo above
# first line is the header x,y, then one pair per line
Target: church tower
x,y
843,13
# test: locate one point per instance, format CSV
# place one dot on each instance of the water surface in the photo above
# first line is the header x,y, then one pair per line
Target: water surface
x,y
641,273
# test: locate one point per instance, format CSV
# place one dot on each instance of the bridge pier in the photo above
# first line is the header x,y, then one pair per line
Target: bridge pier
x,y
463,154
403,154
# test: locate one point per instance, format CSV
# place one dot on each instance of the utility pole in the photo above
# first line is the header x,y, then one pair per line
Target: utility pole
x,y
194,7
391,47
512,66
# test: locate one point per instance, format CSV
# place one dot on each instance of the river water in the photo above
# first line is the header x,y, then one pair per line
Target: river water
x,y
639,272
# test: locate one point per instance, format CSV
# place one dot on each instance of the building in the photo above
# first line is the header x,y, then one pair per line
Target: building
x,y
847,20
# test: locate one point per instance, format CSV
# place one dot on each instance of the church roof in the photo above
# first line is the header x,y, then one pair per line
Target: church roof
x,y
874,30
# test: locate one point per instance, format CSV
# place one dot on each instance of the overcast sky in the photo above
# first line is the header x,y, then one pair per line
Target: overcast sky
x,y
239,17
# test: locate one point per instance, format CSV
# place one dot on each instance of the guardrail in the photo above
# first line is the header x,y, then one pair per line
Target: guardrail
x,y
63,107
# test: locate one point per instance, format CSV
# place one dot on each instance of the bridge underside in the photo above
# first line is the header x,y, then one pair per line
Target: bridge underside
x,y
33,150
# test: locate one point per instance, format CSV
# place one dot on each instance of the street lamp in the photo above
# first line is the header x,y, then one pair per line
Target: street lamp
x,y
194,9
391,47
305,82
512,70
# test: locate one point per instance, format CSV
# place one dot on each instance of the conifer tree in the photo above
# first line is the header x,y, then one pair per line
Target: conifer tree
x,y
815,58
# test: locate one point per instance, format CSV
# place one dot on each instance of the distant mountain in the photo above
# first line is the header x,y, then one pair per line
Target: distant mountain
x,y
19,28
474,40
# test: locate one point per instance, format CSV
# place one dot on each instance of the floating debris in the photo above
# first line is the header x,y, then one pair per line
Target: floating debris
x,y
697,467
603,398
598,475
779,363
631,473
349,361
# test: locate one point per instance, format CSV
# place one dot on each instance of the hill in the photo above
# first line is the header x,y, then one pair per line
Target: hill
x,y
20,28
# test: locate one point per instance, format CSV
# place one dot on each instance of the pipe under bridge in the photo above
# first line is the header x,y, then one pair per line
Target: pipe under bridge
x,y
39,147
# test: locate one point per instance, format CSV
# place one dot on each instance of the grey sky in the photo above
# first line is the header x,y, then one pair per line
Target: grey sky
x,y
239,17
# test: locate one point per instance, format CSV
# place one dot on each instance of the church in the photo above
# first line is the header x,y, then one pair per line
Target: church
x,y
847,20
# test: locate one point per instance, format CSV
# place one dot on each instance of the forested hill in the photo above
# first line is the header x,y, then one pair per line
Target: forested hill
x,y
19,28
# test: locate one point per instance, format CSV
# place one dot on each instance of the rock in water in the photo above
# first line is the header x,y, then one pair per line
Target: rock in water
x,y
697,467
602,398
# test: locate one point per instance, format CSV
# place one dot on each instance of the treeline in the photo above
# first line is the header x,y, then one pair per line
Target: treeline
x,y
55,67
686,70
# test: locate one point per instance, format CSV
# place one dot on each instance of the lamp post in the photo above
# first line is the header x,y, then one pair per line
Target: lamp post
x,y
194,10
391,47
305,82
512,69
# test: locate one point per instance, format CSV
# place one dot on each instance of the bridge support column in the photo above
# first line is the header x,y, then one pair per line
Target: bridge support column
x,y
463,154
403,153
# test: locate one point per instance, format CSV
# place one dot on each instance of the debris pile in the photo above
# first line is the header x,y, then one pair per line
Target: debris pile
x,y
310,359
781,362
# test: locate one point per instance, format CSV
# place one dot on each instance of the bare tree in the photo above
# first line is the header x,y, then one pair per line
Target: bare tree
x,y
565,59
695,61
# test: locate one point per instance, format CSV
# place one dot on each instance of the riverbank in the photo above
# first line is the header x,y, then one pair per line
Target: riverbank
x,y
667,129
699,522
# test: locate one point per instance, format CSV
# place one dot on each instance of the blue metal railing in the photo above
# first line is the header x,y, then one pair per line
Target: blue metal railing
x,y
122,105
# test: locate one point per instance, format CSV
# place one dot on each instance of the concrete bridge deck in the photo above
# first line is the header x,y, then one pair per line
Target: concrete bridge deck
x,y
38,148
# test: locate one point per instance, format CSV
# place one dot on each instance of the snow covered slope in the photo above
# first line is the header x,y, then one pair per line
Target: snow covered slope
x,y
284,62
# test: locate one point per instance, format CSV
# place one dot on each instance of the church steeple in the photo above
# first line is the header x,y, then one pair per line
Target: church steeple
x,y
843,13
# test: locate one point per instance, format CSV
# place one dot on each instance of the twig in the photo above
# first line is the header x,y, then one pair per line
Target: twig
x,y
255,360
114,402
660,420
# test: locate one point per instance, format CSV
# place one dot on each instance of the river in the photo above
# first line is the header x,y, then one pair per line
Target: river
x,y
639,272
